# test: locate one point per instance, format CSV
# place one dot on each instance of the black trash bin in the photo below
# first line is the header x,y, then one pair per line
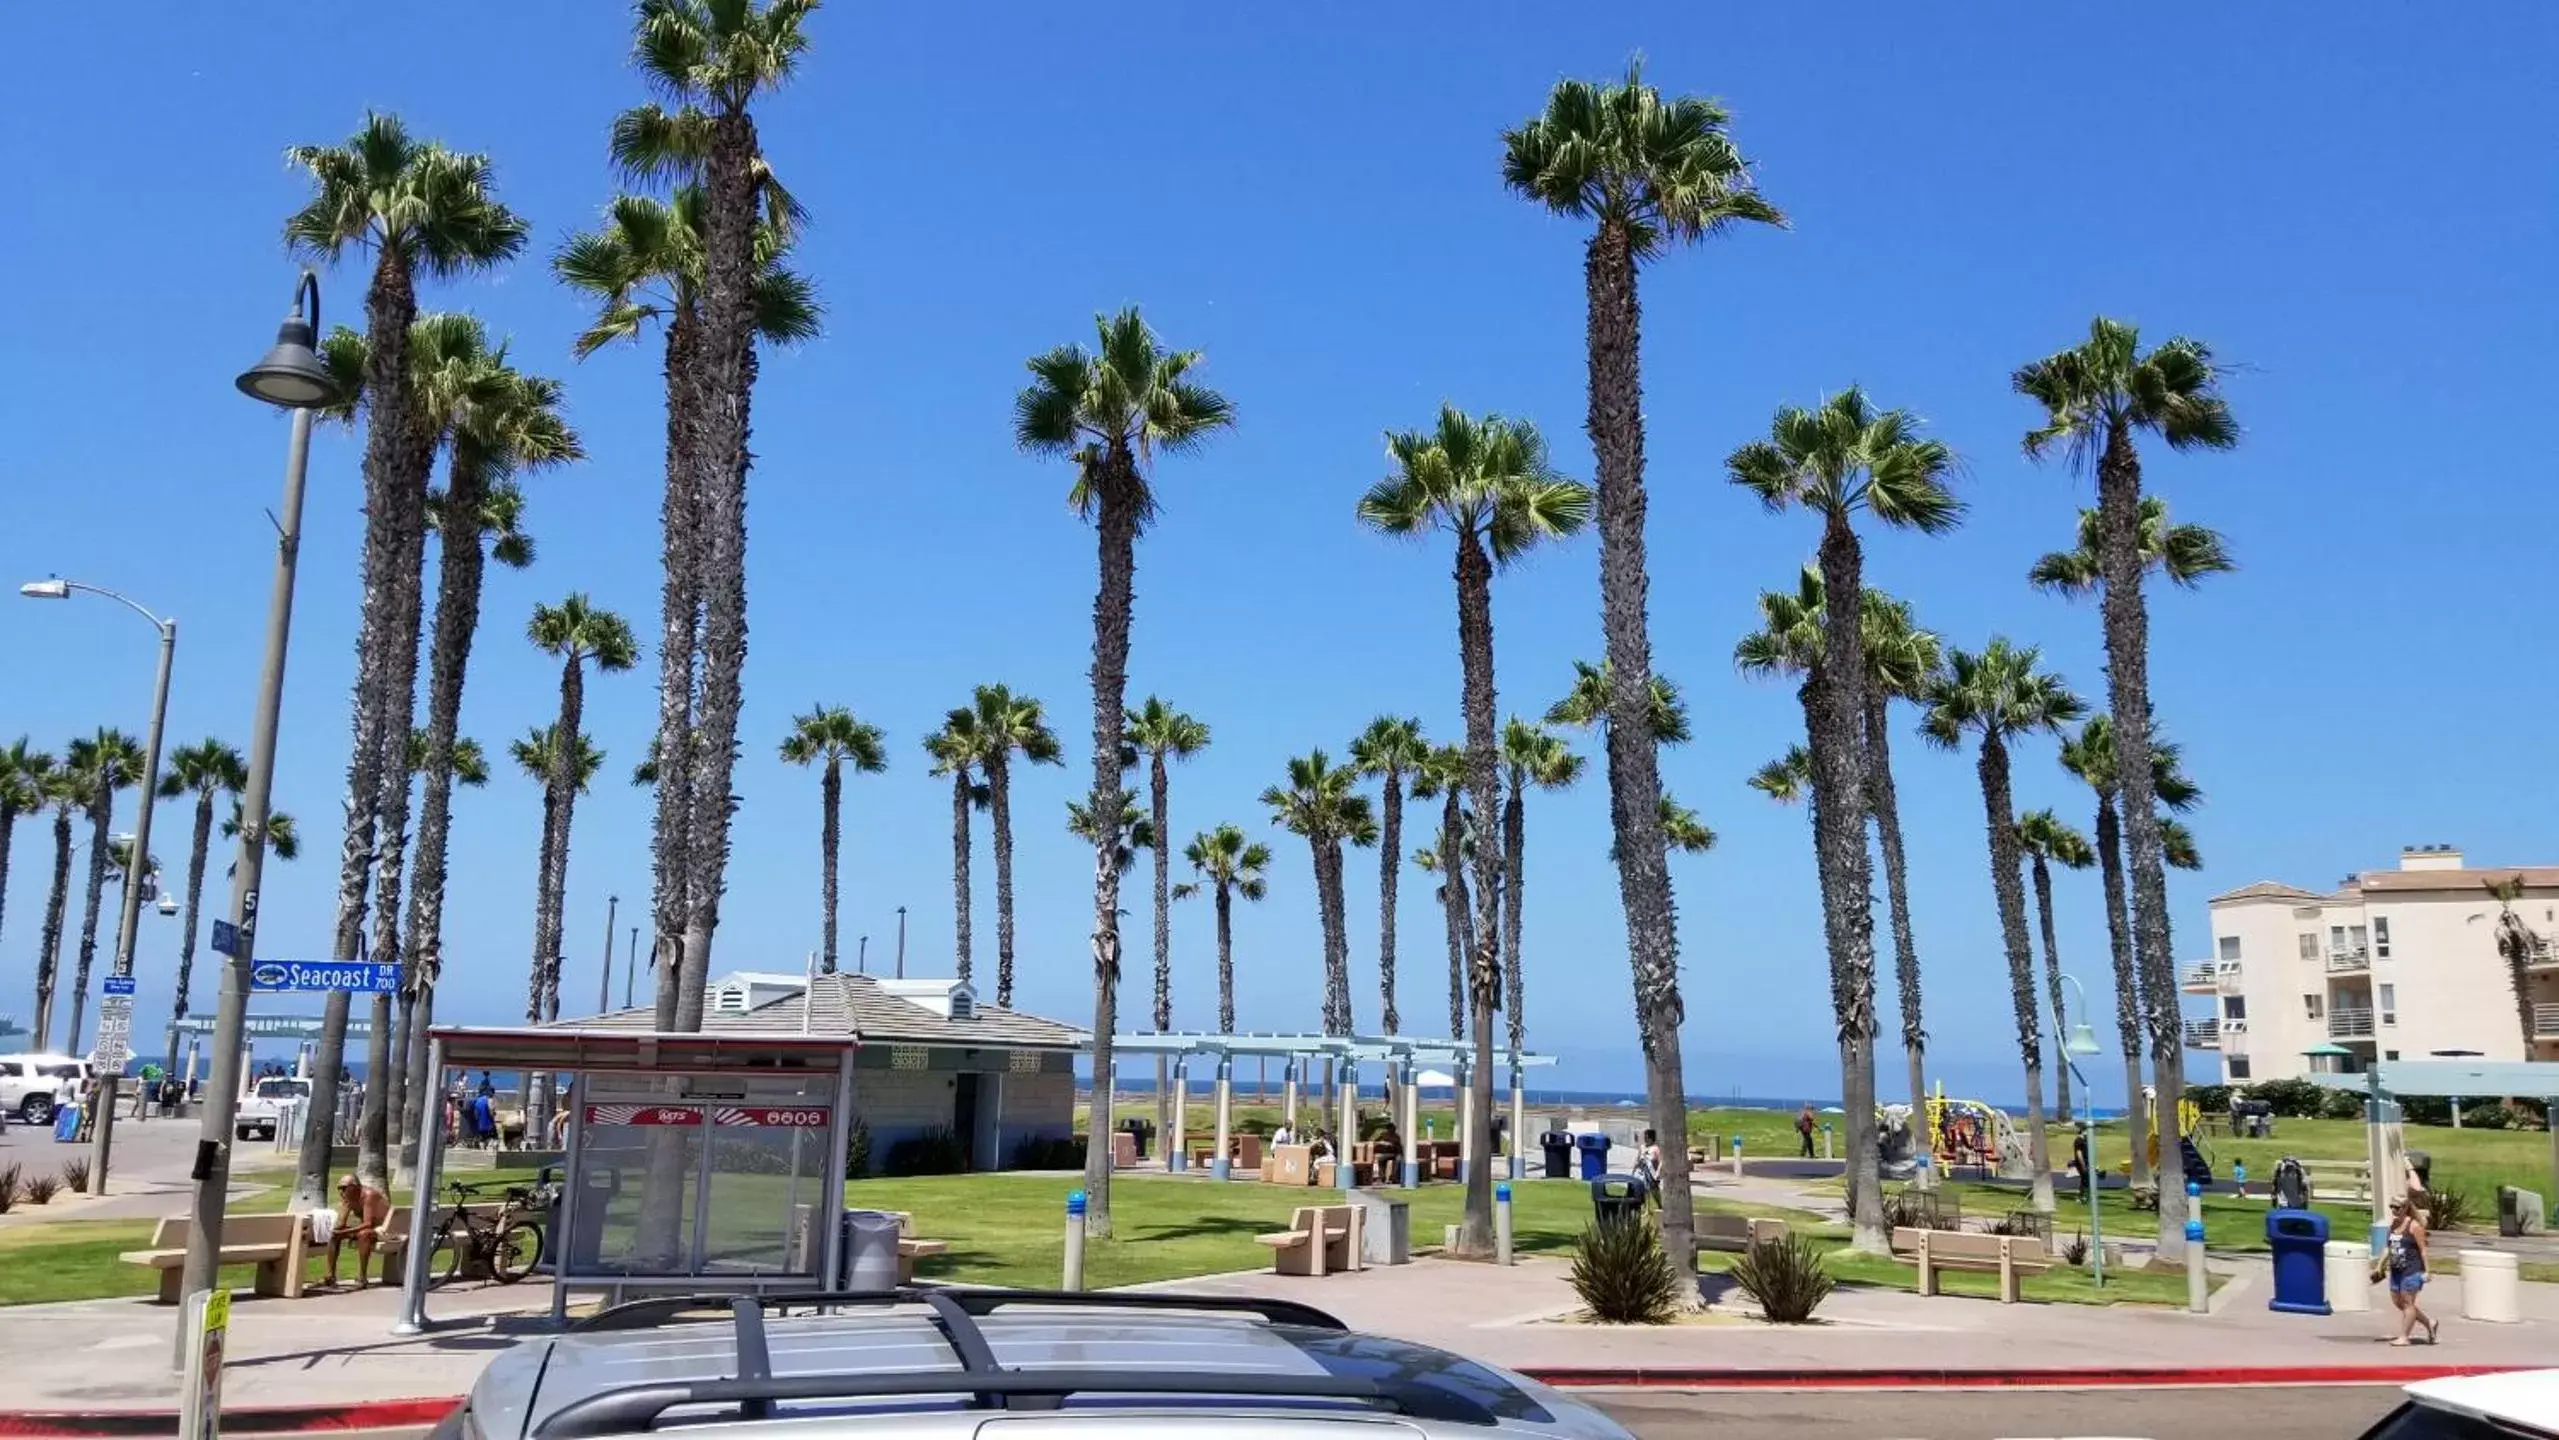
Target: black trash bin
x,y
1142,1131
1559,1154
1616,1197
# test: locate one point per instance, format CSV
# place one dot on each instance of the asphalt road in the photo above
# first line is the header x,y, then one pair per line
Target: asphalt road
x,y
2323,1413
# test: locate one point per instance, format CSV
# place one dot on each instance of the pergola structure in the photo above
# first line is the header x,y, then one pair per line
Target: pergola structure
x,y
2389,1080
1401,1055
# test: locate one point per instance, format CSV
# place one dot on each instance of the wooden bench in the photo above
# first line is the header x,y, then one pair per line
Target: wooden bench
x,y
1319,1240
276,1244
1735,1234
2012,1257
2347,1182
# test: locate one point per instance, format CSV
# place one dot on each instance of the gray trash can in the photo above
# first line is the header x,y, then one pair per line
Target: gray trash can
x,y
870,1250
1386,1227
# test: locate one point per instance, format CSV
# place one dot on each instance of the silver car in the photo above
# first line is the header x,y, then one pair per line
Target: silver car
x,y
993,1364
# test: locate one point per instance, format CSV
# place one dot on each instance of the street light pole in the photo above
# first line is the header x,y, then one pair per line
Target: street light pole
x,y
630,965
2078,1040
901,942
604,982
290,376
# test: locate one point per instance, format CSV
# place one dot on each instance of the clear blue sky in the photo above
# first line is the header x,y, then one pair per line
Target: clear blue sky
x,y
2355,204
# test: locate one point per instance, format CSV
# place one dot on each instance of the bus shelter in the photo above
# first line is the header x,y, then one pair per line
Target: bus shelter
x,y
694,1162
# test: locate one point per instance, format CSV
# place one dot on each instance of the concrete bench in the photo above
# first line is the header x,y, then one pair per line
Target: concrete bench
x,y
2347,1182
2011,1257
276,1244
1319,1240
1735,1234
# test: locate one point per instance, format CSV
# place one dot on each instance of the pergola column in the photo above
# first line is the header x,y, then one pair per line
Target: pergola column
x,y
1219,1166
1176,1148
1466,1156
1519,1123
1408,1124
1349,1072
1288,1083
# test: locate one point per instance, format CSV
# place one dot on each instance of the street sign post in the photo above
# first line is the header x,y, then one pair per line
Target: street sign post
x,y
226,939
363,977
115,1033
116,985
200,1398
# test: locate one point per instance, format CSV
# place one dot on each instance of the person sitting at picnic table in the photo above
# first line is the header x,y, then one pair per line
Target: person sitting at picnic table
x,y
362,1212
1390,1146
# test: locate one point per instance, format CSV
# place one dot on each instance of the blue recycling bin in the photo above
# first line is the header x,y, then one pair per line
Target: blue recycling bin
x,y
2299,1240
66,1123
1594,1155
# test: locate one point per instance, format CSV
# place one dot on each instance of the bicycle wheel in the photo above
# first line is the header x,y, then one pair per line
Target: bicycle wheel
x,y
519,1249
447,1251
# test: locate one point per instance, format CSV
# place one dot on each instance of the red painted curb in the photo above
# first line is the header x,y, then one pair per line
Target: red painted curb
x,y
1675,1378
236,1420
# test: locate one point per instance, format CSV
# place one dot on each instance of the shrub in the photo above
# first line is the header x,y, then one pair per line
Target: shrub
x,y
2343,1105
857,1150
40,1190
935,1152
2426,1110
2295,1098
1786,1276
2446,1209
2074,1251
1623,1275
9,1178
1049,1152
2211,1099
2488,1115
75,1174
1912,1207
1257,1125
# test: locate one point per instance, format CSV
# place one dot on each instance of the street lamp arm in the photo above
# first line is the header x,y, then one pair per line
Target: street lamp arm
x,y
47,589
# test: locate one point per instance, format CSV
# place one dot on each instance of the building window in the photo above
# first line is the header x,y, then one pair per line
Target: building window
x,y
2389,1004
2336,937
2234,1007
2310,1004
2355,937
2309,944
2237,1066
2389,1054
2380,938
2229,947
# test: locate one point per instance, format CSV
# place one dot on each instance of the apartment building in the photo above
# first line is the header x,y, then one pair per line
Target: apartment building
x,y
2392,965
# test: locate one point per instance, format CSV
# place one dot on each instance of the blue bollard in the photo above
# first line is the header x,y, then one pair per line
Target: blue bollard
x,y
1074,1277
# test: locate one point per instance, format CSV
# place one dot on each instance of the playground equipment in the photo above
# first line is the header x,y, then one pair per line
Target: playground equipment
x,y
1973,1134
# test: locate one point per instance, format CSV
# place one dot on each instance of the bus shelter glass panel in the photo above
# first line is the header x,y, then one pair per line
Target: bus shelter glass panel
x,y
766,1179
727,1180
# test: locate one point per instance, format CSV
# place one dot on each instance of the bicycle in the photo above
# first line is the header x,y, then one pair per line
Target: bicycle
x,y
507,1246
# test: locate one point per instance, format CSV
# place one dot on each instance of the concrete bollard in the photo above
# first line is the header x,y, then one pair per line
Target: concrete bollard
x,y
1074,1277
1502,1222
1826,1135
2198,1293
1737,1157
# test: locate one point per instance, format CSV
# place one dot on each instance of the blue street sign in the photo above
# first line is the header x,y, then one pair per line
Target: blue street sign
x,y
226,939
116,985
271,976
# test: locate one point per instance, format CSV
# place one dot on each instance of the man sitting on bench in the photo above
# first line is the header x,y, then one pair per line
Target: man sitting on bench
x,y
362,1212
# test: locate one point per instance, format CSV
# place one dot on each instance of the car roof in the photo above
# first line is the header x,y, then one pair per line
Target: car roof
x,y
2528,1398
1296,1370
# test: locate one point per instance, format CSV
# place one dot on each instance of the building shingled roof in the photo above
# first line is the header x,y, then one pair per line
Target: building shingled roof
x,y
2265,890
856,1005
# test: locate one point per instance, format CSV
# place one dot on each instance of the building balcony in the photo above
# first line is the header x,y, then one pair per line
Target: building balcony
x,y
2209,977
2349,962
2350,1024
2542,957
2203,1034
2545,1022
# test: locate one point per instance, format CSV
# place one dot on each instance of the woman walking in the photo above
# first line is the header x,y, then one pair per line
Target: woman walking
x,y
2404,1262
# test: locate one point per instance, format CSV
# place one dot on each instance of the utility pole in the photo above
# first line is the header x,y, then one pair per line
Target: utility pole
x,y
901,942
862,956
630,966
604,982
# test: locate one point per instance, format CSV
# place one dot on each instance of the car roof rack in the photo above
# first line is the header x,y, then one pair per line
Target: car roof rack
x,y
659,1310
983,1382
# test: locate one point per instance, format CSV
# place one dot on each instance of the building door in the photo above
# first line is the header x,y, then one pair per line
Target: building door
x,y
964,1117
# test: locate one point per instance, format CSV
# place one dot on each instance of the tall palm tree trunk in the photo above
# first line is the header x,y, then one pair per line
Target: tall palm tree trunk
x,y
1315,858
1225,958
197,854
960,899
1484,975
2043,875
1390,865
1158,783
1616,428
999,802
460,566
1886,803
8,827
2127,623
1840,777
391,838
101,825
559,805
1514,861
1118,490
830,835
1337,941
49,955
679,651
2011,895
1452,897
2128,1027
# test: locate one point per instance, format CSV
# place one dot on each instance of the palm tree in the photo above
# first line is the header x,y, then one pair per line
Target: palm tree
x,y
2047,842
645,263
1999,695
499,423
577,632
2520,948
716,57
1489,483
2185,554
541,757
1648,174
22,773
1390,749
2090,755
1900,659
1535,757
418,207
1111,411
829,735
1163,733
1685,832
955,749
2096,398
57,788
1007,723
1586,704
1837,459
1228,865
208,770
101,765
284,834
1133,833
1787,779
1442,777
1322,803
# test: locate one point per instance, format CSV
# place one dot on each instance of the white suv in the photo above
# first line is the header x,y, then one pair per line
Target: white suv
x,y
32,1087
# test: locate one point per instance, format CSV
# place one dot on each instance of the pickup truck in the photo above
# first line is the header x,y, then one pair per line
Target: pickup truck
x,y
257,1116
